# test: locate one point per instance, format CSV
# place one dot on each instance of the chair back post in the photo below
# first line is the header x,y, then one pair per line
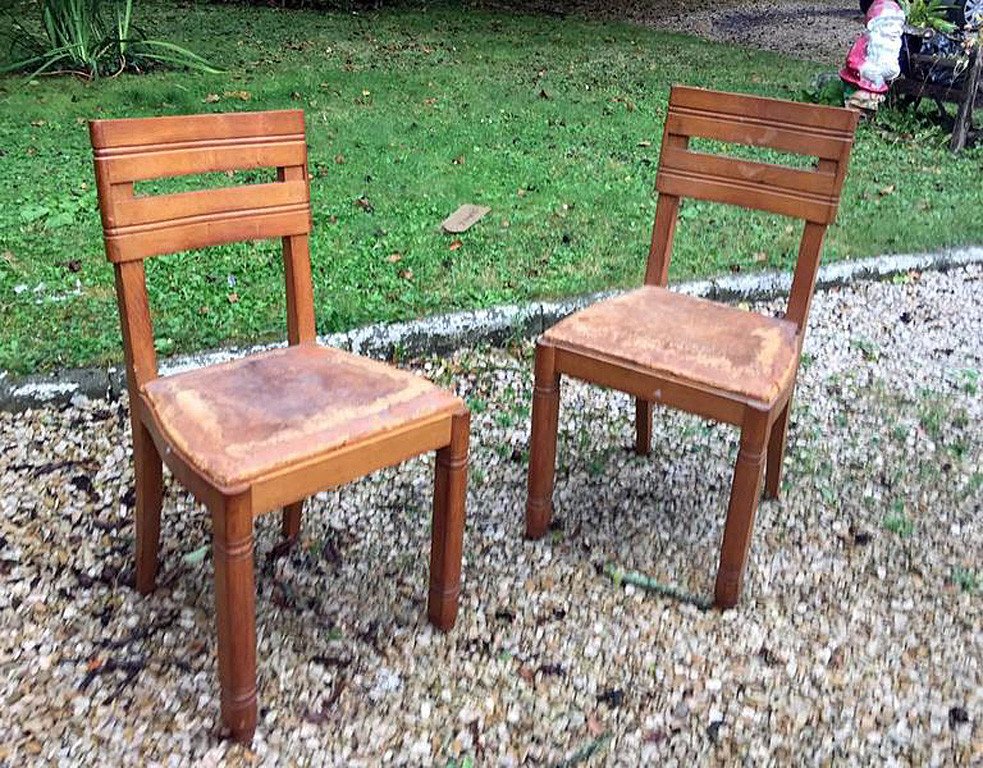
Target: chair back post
x,y
301,325
664,228
811,249
137,227
825,133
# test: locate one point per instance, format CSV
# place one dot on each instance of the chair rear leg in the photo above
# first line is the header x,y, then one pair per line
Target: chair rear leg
x,y
744,495
291,521
235,609
643,427
447,538
542,443
776,452
149,499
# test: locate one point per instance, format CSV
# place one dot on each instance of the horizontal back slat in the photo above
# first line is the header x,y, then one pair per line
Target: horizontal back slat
x,y
754,133
810,195
805,129
133,212
204,232
158,162
735,105
133,150
746,195
140,132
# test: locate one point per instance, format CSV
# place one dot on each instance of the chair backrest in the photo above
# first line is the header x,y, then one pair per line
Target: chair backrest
x,y
825,133
137,227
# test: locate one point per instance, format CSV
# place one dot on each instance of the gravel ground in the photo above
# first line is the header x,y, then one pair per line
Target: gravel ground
x,y
858,640
818,30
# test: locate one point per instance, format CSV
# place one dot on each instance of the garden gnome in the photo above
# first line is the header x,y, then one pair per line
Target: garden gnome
x,y
873,60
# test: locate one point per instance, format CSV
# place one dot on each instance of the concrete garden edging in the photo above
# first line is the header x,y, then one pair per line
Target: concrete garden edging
x,y
440,334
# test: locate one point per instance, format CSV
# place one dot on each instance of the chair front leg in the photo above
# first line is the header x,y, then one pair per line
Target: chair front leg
x,y
235,609
776,452
744,495
149,499
643,427
542,443
447,538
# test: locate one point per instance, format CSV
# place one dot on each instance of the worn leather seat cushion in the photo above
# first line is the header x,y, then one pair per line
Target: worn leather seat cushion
x,y
241,420
692,340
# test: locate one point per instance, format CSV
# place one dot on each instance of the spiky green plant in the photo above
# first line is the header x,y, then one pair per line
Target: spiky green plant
x,y
92,38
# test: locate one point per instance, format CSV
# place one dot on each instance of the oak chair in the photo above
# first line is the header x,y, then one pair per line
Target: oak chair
x,y
699,356
269,430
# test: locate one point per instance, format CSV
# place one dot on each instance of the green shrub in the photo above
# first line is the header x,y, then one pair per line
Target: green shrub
x,y
91,38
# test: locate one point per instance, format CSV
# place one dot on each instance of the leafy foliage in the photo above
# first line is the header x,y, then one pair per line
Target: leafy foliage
x,y
92,38
930,14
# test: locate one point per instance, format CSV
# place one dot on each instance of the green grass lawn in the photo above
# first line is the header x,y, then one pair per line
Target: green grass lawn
x,y
553,123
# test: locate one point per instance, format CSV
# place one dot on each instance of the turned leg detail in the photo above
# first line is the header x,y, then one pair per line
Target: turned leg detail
x,y
542,444
235,609
743,505
447,538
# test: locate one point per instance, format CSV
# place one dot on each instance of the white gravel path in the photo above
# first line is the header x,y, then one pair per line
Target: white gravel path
x,y
816,30
858,640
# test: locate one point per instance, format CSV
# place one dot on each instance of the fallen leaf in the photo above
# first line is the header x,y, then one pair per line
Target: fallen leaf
x,y
455,245
233,297
760,257
212,98
94,663
406,274
203,310
430,101
339,159
195,556
645,143
394,257
38,123
885,191
364,204
241,95
594,726
366,93
527,673
459,160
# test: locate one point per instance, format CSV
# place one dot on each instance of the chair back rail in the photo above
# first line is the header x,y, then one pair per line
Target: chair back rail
x,y
812,195
137,227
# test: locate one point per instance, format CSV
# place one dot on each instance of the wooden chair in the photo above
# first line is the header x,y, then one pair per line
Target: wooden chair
x,y
699,356
266,431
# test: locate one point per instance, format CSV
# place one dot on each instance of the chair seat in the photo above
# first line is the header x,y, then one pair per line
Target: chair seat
x,y
239,421
686,339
